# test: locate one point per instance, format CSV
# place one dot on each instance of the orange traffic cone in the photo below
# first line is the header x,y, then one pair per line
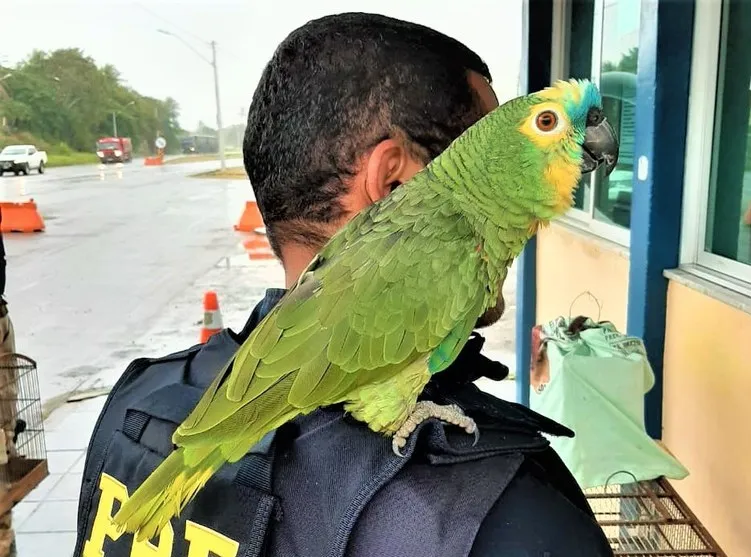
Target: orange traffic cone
x,y
258,247
212,317
250,219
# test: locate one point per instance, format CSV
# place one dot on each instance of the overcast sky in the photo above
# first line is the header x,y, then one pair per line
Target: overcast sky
x,y
124,33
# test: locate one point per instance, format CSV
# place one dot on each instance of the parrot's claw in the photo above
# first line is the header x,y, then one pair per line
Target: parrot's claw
x,y
424,410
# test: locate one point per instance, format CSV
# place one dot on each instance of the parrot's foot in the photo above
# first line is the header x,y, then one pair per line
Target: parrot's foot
x,y
425,410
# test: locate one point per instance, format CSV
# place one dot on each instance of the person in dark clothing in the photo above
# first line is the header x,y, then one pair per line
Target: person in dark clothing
x,y
349,108
8,395
2,261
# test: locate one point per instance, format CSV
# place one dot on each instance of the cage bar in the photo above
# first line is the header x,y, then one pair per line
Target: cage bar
x,y
23,453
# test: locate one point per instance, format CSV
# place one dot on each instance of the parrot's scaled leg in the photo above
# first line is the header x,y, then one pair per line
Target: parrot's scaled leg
x,y
425,410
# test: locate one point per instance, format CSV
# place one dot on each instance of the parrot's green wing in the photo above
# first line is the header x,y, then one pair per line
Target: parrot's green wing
x,y
401,282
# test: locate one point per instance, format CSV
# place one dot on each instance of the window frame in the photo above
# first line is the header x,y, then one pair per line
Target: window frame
x,y
583,219
710,22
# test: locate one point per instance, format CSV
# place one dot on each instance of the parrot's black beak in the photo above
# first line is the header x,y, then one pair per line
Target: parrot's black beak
x,y
600,144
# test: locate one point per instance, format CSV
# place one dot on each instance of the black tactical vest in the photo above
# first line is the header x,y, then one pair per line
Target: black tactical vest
x,y
323,485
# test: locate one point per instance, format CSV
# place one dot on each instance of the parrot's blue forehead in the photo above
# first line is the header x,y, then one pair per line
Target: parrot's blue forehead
x,y
576,96
588,98
577,103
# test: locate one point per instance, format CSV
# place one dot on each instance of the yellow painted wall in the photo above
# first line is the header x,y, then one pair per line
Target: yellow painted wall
x,y
707,412
569,263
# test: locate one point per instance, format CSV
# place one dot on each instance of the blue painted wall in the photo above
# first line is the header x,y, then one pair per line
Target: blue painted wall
x,y
664,65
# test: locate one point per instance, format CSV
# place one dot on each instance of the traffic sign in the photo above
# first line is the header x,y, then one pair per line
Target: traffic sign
x,y
160,143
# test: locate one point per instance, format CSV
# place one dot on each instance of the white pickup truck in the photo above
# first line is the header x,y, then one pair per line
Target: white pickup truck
x,y
22,159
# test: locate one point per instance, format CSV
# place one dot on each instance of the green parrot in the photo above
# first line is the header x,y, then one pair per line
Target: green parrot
x,y
392,298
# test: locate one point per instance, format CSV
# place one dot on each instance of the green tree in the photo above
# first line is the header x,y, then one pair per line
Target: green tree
x,y
627,63
205,129
62,97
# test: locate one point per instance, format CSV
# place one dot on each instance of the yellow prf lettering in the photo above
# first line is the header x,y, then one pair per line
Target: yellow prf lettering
x,y
204,542
112,491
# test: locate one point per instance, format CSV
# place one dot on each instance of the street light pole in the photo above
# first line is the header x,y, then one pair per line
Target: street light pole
x,y
240,129
220,137
114,117
212,62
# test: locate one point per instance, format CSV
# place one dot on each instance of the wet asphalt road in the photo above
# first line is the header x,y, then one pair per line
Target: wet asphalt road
x,y
115,252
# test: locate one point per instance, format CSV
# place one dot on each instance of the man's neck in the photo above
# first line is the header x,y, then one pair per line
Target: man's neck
x,y
295,258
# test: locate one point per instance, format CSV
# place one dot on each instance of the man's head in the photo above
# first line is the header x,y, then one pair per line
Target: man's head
x,y
349,107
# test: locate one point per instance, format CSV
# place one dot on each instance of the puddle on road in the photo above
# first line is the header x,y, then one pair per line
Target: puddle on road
x,y
81,371
127,353
79,179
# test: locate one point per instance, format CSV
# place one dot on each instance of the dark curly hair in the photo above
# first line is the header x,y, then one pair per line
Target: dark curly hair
x,y
335,88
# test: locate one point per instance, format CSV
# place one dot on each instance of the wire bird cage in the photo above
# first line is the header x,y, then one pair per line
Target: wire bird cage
x,y
649,519
23,454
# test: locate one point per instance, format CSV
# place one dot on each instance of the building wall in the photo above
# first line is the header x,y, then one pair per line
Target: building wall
x,y
707,413
570,263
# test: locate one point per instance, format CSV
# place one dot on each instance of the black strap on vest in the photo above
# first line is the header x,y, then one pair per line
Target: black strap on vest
x,y
173,403
258,465
134,424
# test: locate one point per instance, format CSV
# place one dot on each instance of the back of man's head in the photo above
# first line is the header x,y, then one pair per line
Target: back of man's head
x,y
335,88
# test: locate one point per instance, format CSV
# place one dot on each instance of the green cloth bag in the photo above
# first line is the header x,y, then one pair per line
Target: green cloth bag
x,y
598,378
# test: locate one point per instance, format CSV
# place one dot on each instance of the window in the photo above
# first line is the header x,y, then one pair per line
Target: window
x,y
730,182
603,46
717,219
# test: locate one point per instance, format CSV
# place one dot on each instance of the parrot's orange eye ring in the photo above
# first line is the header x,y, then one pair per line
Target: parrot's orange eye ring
x,y
546,121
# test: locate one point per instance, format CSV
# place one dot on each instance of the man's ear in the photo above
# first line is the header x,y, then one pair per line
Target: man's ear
x,y
388,166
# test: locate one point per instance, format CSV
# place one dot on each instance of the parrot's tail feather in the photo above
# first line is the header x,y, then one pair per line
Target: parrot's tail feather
x,y
166,492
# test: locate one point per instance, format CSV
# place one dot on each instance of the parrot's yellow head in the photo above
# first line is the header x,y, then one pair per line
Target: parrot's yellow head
x,y
564,134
